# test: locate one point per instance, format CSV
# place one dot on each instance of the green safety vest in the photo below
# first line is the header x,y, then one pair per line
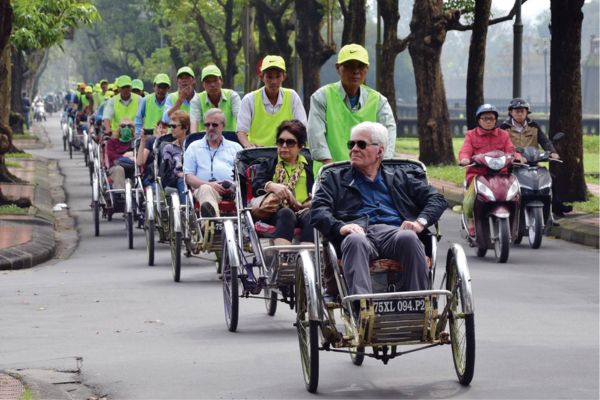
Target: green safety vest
x,y
184,107
124,111
154,112
225,106
263,129
84,102
340,120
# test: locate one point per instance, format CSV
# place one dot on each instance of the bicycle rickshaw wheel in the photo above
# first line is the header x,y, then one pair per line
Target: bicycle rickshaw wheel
x,y
129,222
64,142
462,328
149,231
176,255
270,301
230,290
357,359
308,337
70,150
96,211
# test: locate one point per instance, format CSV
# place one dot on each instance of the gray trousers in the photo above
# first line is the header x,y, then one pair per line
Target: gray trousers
x,y
384,241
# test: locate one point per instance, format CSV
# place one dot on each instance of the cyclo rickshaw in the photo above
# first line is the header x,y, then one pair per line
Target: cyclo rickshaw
x,y
157,207
135,201
387,318
251,258
186,227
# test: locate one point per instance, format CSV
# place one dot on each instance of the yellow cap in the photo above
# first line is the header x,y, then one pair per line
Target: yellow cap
x,y
353,51
137,84
161,79
186,70
211,70
272,62
88,89
123,80
108,94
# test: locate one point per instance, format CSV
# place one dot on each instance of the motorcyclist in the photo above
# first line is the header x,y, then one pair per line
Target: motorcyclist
x,y
484,138
525,132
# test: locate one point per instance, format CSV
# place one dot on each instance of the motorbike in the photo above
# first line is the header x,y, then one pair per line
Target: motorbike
x,y
496,209
39,112
536,193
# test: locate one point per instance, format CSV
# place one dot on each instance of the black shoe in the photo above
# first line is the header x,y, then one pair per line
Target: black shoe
x,y
207,210
565,208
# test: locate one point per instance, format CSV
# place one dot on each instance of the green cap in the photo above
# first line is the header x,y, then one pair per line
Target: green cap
x,y
103,81
137,84
272,62
108,94
211,70
186,70
353,51
88,89
123,80
161,79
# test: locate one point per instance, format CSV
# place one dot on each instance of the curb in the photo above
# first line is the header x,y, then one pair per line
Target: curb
x,y
40,248
40,389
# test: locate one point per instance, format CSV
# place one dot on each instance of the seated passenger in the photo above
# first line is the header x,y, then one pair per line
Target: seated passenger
x,y
145,155
120,156
289,176
171,168
372,211
208,164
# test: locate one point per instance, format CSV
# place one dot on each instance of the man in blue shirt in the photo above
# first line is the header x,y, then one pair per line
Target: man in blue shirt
x,y
208,164
371,211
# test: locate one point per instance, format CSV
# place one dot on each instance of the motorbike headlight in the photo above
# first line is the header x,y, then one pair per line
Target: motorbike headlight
x,y
486,191
513,190
495,163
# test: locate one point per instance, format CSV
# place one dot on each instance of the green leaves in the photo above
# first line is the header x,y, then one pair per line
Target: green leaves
x,y
43,23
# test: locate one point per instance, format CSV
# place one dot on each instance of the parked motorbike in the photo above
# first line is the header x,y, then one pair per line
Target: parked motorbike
x,y
496,211
536,193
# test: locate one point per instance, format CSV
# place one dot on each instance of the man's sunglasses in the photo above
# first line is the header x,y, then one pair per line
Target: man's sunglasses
x,y
211,124
287,142
126,126
360,143
173,126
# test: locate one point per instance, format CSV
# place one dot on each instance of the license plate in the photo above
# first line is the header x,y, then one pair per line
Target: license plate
x,y
400,306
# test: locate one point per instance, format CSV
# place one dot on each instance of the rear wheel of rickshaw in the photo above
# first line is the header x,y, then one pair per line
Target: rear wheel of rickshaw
x,y
230,289
308,337
149,231
357,355
176,255
70,150
270,301
129,223
96,211
462,326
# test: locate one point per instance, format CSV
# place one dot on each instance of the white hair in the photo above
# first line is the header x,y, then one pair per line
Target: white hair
x,y
216,111
379,133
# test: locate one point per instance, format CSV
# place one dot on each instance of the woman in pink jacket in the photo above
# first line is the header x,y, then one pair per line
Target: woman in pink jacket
x,y
485,137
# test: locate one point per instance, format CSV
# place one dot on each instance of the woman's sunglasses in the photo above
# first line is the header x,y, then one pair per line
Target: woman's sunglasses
x,y
126,126
287,142
173,126
360,143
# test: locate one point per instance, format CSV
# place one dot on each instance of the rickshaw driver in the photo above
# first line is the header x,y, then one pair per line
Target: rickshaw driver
x,y
373,211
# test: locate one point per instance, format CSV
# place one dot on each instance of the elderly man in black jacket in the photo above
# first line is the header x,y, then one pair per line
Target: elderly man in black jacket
x,y
372,211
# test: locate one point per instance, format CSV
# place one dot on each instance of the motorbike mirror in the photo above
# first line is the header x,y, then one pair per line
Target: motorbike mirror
x,y
558,136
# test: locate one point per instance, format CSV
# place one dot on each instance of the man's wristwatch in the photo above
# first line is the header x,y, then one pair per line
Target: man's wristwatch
x,y
422,221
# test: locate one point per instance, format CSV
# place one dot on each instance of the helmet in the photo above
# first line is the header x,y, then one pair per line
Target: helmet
x,y
486,108
518,103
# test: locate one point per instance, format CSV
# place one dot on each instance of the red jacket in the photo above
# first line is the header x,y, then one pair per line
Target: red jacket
x,y
478,141
115,150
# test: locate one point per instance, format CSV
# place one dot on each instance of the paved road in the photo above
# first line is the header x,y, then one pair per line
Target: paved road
x,y
143,336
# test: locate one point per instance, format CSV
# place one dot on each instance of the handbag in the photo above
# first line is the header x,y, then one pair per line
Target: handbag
x,y
264,206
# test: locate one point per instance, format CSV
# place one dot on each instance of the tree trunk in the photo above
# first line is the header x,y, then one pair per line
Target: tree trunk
x,y
355,21
251,56
39,71
476,67
428,33
565,93
312,49
391,47
18,66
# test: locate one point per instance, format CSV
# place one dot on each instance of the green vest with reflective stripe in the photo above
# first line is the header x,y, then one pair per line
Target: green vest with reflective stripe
x,y
124,111
154,112
184,107
340,119
225,106
263,129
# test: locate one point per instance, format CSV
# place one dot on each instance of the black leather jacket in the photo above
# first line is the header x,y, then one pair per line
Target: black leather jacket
x,y
337,201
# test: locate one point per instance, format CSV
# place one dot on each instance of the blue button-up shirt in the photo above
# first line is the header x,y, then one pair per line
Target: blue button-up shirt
x,y
377,201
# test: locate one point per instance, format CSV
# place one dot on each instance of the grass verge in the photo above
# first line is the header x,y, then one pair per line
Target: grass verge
x,y
18,155
592,205
11,209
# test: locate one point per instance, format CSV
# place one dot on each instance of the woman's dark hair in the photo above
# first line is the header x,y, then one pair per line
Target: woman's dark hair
x,y
294,127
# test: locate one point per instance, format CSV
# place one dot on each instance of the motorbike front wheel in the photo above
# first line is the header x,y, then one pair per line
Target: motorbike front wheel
x,y
535,228
502,243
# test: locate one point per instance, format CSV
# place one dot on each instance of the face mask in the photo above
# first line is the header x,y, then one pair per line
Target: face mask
x,y
125,135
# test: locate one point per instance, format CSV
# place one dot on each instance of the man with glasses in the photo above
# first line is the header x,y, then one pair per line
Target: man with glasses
x,y
337,107
208,164
371,211
180,100
214,96
119,154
